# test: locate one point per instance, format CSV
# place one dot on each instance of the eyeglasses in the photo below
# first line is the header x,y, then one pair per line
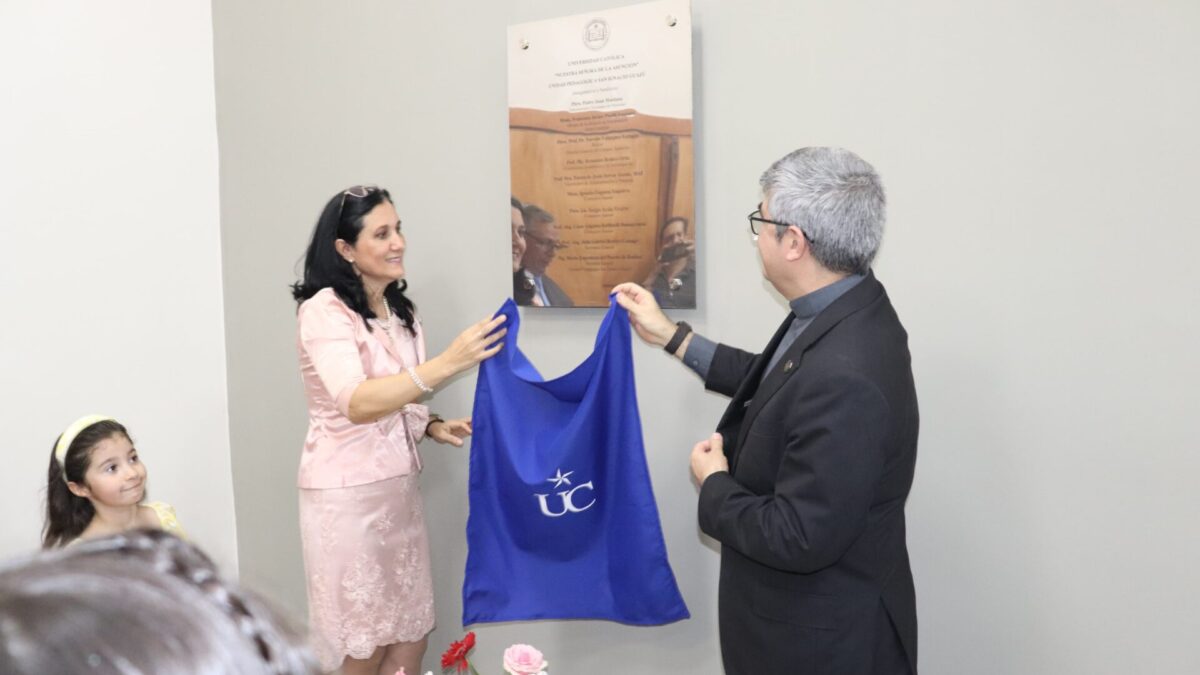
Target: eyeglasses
x,y
545,242
358,192
756,217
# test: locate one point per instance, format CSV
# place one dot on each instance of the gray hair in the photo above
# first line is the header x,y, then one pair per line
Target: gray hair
x,y
135,604
835,198
532,213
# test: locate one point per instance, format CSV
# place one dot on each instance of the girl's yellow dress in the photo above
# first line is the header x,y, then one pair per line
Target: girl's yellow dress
x,y
167,518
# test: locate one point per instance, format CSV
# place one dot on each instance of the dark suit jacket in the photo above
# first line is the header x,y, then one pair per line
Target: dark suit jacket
x,y
556,295
814,569
523,291
683,297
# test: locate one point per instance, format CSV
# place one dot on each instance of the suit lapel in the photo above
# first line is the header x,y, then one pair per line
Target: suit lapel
x,y
749,385
735,414
759,394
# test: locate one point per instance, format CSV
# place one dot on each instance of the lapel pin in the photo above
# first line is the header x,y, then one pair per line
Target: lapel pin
x,y
787,367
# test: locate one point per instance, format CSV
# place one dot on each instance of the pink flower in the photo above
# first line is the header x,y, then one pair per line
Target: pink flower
x,y
524,660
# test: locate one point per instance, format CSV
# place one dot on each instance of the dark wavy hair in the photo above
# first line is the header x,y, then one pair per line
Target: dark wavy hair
x,y
142,601
67,514
324,267
667,223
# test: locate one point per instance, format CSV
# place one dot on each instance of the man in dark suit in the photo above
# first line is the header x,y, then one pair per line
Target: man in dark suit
x,y
804,482
541,245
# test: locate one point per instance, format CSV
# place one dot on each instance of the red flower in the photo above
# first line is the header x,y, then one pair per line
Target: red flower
x,y
456,656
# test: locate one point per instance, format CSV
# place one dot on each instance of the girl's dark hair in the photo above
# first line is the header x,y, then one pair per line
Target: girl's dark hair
x,y
68,515
138,602
324,267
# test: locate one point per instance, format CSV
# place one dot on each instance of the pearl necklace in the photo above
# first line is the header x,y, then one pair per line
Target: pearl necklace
x,y
386,322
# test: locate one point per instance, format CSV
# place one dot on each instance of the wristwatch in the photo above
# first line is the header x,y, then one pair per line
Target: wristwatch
x,y
682,330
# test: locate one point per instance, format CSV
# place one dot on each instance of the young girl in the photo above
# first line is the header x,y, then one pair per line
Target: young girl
x,y
96,485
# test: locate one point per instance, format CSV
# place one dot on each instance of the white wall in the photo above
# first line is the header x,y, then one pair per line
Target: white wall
x,y
1040,160
111,276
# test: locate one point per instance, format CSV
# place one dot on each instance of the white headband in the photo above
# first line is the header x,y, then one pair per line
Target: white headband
x,y
68,437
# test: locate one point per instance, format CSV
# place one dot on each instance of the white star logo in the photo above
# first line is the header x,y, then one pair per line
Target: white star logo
x,y
560,478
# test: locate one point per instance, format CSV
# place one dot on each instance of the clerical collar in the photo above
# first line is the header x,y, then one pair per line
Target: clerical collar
x,y
807,306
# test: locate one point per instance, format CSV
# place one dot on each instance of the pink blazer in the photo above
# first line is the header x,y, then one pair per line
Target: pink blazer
x,y
338,353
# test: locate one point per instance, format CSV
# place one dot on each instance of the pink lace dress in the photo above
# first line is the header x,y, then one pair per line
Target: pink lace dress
x,y
362,521
367,560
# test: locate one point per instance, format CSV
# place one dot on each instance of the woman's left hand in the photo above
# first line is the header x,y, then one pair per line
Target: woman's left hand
x,y
451,432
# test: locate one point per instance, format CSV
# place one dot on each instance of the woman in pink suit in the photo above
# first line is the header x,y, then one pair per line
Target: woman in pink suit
x,y
362,360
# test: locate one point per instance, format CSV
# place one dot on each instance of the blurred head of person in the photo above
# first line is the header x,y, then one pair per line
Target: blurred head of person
x,y
518,234
141,602
673,232
541,239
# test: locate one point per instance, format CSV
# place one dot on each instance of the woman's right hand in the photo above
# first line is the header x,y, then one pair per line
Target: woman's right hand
x,y
478,342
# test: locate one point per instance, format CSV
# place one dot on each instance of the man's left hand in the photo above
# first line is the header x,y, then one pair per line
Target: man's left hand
x,y
708,457
645,315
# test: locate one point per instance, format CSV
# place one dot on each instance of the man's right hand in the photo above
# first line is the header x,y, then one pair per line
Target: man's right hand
x,y
644,314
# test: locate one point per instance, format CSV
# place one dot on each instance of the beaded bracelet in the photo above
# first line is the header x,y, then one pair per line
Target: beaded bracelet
x,y
412,372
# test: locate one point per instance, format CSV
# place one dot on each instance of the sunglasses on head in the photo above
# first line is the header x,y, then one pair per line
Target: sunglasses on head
x,y
358,192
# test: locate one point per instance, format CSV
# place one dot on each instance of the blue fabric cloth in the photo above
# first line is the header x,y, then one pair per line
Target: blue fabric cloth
x,y
563,522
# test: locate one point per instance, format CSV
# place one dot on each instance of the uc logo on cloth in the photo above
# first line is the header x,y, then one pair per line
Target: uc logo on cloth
x,y
563,523
567,496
